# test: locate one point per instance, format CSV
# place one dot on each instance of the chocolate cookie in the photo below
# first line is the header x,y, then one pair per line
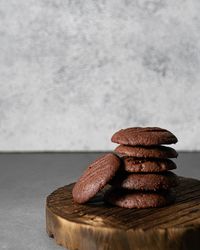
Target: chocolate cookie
x,y
144,136
95,177
146,152
145,181
134,165
134,199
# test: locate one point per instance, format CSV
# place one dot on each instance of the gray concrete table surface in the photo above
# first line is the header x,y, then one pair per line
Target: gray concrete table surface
x,y
25,181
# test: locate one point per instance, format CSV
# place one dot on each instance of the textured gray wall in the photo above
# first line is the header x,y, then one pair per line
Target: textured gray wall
x,y
72,72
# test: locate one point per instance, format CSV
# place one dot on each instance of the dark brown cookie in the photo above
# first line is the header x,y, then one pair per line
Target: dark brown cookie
x,y
145,181
146,152
134,165
95,177
144,136
134,199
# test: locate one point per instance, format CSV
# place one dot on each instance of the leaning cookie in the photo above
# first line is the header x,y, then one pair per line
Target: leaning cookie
x,y
126,199
146,152
143,136
95,177
135,165
145,181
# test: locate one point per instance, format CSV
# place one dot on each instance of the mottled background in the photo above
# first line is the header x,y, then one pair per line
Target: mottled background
x,y
73,72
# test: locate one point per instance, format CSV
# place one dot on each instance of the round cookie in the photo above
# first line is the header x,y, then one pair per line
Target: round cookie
x,y
134,165
134,199
145,181
95,177
143,136
146,152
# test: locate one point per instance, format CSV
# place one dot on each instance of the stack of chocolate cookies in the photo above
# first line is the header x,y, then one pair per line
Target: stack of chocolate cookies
x,y
138,171
144,179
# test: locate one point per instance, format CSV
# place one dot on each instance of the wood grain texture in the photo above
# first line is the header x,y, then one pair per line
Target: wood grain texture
x,y
99,226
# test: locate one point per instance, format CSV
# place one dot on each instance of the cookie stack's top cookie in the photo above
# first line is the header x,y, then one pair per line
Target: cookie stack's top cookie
x,y
138,171
148,136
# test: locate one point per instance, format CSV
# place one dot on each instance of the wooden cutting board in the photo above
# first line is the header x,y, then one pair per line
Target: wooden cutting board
x,y
99,226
